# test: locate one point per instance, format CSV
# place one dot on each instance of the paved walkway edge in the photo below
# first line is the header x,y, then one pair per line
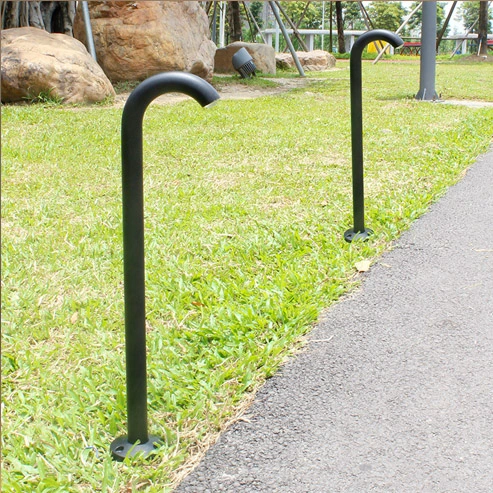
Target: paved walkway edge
x,y
397,394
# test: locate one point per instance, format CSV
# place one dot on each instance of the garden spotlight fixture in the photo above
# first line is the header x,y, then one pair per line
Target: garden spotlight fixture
x,y
359,231
138,441
243,63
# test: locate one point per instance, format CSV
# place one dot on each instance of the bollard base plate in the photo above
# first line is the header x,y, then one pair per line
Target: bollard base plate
x,y
122,448
351,235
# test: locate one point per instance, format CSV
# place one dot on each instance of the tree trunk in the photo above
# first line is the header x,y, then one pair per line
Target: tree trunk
x,y
234,19
54,17
340,28
483,28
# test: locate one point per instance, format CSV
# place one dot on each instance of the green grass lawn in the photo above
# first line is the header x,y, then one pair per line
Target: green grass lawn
x,y
400,79
246,206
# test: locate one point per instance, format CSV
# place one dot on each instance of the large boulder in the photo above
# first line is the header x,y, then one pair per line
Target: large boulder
x,y
264,57
311,61
135,40
35,62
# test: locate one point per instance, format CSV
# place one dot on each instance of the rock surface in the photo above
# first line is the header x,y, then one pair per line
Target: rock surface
x,y
264,57
135,40
35,61
313,61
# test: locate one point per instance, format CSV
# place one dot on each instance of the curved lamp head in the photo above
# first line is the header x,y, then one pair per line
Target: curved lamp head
x,y
375,35
133,246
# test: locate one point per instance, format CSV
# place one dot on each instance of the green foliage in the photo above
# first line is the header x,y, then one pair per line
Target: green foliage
x,y
125,86
364,56
256,10
469,13
386,15
250,33
414,25
312,18
246,205
45,97
352,16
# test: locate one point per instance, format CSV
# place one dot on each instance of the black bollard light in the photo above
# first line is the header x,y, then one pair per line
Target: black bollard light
x,y
359,231
138,441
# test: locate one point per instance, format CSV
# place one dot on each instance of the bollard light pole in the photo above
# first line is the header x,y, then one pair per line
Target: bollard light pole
x,y
359,231
138,441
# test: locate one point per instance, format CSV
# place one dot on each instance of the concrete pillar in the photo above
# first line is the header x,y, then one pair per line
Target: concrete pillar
x,y
310,38
348,42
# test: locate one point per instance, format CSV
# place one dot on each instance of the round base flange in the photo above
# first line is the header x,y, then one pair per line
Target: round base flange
x,y
121,447
351,235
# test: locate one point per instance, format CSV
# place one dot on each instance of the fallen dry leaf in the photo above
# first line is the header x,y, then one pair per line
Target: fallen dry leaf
x,y
74,318
362,266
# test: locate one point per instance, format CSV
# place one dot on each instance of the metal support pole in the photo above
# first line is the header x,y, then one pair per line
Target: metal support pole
x,y
465,37
214,24
222,22
87,25
137,441
428,53
331,26
369,24
401,27
247,15
273,6
276,42
252,17
359,231
445,24
323,25
293,27
299,21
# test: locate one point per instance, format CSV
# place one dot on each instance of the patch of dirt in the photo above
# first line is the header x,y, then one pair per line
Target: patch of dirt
x,y
476,58
231,91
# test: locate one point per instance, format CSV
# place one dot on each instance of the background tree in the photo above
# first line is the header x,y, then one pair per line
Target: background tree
x,y
312,18
414,26
341,45
469,13
250,33
483,28
352,16
478,16
234,22
386,15
54,17
304,15
256,10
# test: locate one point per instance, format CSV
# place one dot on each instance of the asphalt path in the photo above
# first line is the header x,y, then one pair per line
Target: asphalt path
x,y
395,390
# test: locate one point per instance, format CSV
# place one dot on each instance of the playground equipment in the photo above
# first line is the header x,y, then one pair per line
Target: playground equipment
x,y
137,440
359,231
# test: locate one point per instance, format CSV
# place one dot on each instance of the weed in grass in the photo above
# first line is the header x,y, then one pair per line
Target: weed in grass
x,y
125,86
244,218
45,97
